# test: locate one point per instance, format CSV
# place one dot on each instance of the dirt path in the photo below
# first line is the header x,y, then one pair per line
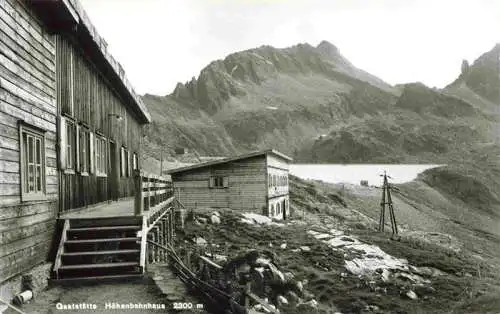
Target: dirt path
x,y
139,291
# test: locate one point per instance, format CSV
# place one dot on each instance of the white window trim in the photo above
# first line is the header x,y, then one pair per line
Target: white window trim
x,y
37,133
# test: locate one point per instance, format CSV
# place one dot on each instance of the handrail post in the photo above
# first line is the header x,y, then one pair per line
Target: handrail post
x,y
150,197
138,202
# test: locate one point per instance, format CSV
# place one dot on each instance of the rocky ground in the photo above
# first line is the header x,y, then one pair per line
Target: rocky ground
x,y
341,264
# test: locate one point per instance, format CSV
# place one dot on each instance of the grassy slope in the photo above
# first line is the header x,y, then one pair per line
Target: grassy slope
x,y
427,210
323,206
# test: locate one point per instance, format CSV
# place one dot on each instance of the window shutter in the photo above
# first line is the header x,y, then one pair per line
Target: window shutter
x,y
91,153
122,161
77,165
211,182
62,143
225,182
128,164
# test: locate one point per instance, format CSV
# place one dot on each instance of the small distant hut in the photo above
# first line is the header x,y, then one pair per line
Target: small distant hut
x,y
364,183
256,181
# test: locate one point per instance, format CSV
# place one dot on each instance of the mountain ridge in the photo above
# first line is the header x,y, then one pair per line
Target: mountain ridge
x,y
313,104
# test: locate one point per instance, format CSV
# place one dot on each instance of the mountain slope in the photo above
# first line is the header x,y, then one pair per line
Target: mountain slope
x,y
266,97
312,103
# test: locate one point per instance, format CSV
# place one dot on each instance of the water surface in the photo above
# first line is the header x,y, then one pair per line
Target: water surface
x,y
353,174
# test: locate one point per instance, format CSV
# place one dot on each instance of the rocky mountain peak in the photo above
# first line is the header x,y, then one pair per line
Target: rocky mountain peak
x,y
328,49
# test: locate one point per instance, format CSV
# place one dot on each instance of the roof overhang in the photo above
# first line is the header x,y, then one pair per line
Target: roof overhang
x,y
63,16
231,159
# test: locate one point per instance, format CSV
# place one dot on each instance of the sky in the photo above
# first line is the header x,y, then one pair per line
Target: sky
x,y
162,42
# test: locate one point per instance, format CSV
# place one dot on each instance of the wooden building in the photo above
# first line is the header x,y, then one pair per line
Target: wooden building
x,y
70,125
256,182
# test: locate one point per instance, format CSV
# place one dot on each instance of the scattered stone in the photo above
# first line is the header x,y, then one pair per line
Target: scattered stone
x,y
347,239
277,274
292,297
202,220
311,304
200,241
282,300
288,276
412,295
372,308
300,286
305,249
270,244
215,219
283,246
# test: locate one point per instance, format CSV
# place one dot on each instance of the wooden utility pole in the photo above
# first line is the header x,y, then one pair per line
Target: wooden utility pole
x,y
387,200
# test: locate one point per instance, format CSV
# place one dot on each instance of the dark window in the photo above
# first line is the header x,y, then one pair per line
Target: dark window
x,y
218,182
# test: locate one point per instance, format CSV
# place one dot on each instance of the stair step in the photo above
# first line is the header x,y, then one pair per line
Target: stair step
x,y
131,239
105,228
80,280
101,252
104,265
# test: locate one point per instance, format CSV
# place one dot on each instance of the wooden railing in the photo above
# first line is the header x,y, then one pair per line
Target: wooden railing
x,y
151,191
154,198
183,266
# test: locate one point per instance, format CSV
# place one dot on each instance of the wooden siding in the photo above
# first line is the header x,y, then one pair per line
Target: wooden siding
x,y
87,99
246,185
27,92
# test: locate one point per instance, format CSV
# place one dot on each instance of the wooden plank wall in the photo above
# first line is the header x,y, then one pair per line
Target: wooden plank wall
x,y
93,100
246,189
27,92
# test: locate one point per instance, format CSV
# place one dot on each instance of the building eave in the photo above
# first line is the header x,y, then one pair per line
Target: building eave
x,y
230,159
70,16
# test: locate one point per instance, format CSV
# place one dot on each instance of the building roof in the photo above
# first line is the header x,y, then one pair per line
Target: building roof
x,y
70,14
230,159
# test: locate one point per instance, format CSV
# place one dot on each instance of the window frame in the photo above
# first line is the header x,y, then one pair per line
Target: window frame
x,y
40,135
83,150
218,182
70,145
124,162
135,161
101,164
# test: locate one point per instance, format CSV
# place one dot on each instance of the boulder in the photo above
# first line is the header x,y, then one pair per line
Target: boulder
x,y
283,246
214,219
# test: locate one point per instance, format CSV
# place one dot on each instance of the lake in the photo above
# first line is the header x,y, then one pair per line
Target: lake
x,y
353,174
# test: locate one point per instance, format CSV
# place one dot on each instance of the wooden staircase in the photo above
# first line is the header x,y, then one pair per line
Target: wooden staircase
x,y
99,248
